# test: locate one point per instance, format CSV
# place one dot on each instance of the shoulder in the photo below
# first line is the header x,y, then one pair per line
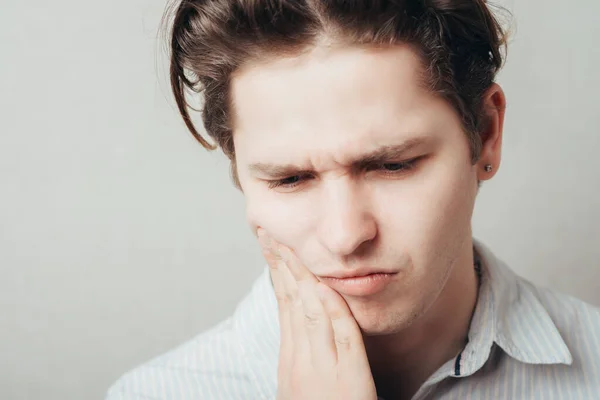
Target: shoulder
x,y
207,367
236,359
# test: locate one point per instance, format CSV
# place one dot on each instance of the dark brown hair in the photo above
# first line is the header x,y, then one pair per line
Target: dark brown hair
x,y
460,43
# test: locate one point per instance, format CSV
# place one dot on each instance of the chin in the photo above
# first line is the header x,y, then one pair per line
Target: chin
x,y
375,325
383,321
379,329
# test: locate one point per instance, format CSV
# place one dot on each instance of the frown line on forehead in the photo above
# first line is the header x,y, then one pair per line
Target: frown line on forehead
x,y
384,153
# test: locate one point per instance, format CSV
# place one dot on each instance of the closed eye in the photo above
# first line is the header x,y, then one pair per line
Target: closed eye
x,y
395,167
387,168
288,182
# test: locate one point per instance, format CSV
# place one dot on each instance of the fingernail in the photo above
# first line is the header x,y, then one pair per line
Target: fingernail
x,y
274,249
262,237
283,253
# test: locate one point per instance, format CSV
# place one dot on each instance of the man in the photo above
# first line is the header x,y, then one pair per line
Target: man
x,y
359,132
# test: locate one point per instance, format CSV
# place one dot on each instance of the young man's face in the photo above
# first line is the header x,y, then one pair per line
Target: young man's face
x,y
301,128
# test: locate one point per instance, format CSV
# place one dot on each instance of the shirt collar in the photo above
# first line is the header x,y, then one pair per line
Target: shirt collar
x,y
509,314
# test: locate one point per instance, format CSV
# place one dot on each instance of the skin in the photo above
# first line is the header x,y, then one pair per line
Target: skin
x,y
305,122
322,354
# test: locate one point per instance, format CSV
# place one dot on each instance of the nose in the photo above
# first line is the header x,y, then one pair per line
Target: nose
x,y
347,221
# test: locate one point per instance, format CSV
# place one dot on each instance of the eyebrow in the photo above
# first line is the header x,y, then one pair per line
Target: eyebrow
x,y
383,153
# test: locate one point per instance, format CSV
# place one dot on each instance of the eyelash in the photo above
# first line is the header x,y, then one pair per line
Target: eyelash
x,y
405,166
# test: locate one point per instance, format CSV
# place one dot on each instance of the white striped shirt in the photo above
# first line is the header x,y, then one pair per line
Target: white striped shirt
x,y
525,342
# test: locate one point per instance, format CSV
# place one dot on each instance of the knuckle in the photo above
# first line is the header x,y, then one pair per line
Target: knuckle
x,y
312,319
343,342
290,298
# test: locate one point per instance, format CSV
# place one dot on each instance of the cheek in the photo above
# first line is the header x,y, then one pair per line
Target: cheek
x,y
286,222
423,219
447,208
259,213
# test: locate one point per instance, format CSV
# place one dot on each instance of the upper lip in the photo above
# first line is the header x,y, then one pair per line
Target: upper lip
x,y
355,273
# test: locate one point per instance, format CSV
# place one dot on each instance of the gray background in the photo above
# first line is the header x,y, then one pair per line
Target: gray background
x,y
120,237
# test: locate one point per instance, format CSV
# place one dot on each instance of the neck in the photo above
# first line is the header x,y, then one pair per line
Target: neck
x,y
403,361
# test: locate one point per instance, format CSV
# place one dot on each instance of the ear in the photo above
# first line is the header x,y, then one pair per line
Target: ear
x,y
494,106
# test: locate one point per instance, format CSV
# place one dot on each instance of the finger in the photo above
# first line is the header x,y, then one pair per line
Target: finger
x,y
283,304
347,336
272,261
286,328
319,329
315,332
274,270
297,268
298,329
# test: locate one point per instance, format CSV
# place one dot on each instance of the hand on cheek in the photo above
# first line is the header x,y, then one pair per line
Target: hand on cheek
x,y
322,354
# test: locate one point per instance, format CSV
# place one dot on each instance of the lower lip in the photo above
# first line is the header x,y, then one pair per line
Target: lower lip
x,y
360,285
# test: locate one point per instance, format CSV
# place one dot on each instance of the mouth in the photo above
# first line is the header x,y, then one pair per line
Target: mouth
x,y
362,284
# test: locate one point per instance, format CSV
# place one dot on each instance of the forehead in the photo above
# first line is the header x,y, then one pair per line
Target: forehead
x,y
324,77
331,103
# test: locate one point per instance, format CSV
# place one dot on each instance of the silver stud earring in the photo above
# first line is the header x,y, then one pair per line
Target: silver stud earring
x,y
488,168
